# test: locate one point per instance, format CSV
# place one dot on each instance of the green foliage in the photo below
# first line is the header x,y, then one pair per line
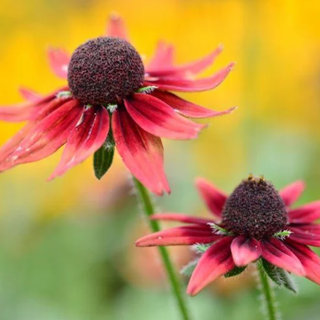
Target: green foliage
x,y
102,159
234,272
189,268
279,276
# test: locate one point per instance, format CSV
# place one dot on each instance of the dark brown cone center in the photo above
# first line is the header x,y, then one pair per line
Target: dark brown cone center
x,y
104,70
255,209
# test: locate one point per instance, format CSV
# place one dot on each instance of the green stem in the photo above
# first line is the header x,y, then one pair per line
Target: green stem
x,y
148,210
268,295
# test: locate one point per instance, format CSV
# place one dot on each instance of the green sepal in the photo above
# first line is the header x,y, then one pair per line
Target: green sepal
x,y
202,247
279,276
189,268
234,272
103,157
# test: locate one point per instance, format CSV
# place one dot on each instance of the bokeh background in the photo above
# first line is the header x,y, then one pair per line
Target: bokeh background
x,y
66,247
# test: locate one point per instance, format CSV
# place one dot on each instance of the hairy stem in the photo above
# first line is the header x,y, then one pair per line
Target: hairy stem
x,y
268,298
148,210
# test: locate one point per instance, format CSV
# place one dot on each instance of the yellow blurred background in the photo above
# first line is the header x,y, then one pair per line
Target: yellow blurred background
x,y
66,247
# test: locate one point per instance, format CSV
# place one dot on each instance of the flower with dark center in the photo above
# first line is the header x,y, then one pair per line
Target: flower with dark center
x,y
255,223
112,100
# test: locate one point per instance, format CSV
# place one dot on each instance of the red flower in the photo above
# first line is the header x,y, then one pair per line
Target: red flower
x,y
254,222
110,93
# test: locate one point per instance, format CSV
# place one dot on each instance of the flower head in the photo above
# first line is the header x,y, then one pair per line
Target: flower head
x,y
111,100
254,223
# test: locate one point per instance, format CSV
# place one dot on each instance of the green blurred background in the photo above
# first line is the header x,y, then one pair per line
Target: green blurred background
x,y
66,247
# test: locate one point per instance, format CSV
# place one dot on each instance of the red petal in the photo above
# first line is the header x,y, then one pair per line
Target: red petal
x,y
292,192
305,214
185,85
170,216
46,137
116,27
187,108
17,113
213,197
279,255
29,94
186,70
214,263
186,235
245,250
306,234
163,57
59,60
141,152
86,138
309,260
159,119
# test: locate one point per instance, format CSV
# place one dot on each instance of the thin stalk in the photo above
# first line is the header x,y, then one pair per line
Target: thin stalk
x,y
268,295
148,210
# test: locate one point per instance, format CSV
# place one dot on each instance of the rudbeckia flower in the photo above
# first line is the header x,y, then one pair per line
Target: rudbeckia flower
x,y
254,223
111,100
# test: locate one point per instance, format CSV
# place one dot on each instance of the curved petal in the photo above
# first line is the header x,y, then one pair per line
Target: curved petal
x,y
212,196
141,152
17,113
305,214
186,108
245,250
292,192
85,138
306,234
186,235
178,217
159,119
188,69
309,260
214,263
186,85
29,95
46,137
278,254
163,57
116,27
59,60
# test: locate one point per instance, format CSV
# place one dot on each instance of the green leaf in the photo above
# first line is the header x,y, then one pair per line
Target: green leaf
x,y
201,247
189,268
234,272
103,157
279,276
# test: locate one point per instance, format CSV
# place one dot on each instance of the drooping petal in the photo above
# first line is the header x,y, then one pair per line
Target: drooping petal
x,y
186,235
306,234
214,263
186,70
292,192
213,197
17,113
187,108
86,137
178,217
116,27
309,260
305,214
163,57
141,152
46,137
245,250
275,251
159,119
29,95
59,60
186,85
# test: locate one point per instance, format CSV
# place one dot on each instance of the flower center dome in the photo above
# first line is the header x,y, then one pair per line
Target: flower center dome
x,y
104,70
255,209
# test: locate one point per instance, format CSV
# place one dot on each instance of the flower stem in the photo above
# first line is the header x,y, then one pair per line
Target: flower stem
x,y
268,295
148,210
